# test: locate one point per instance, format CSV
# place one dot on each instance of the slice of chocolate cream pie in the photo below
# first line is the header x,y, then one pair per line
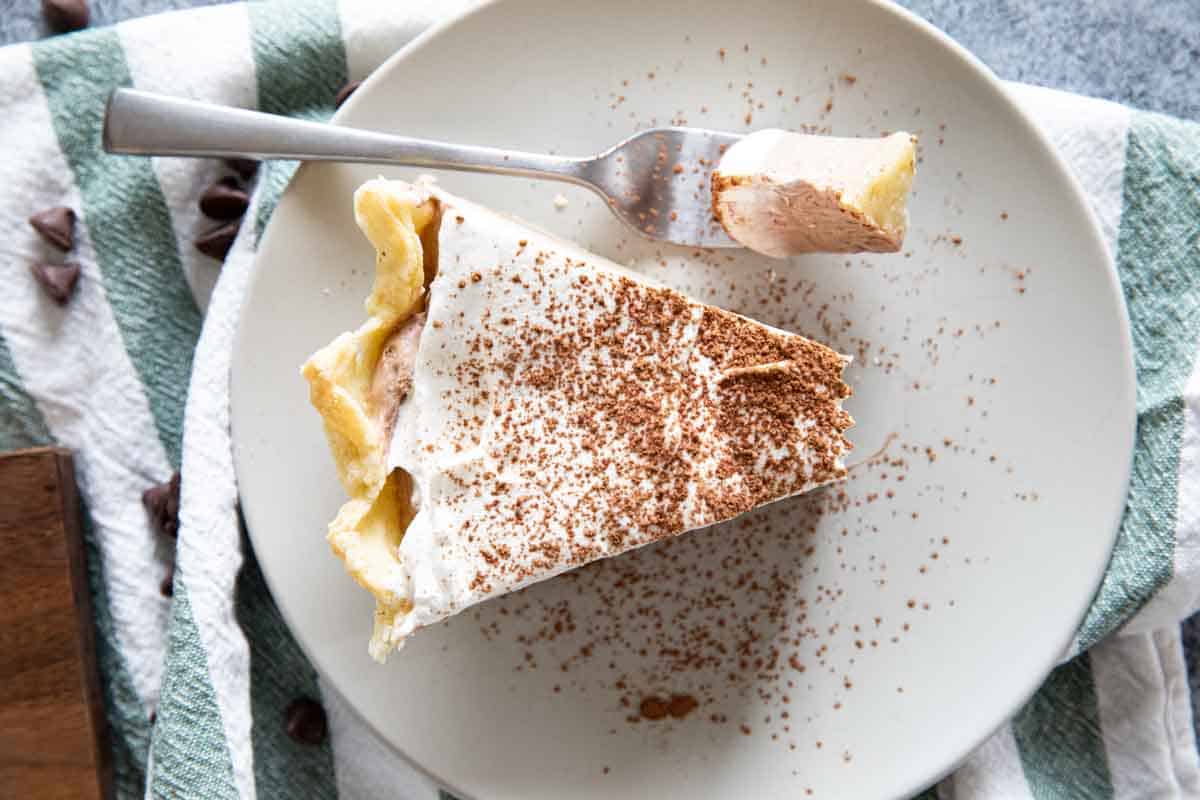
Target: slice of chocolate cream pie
x,y
515,407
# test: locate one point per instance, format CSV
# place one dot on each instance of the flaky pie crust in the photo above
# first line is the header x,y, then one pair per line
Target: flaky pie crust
x,y
367,530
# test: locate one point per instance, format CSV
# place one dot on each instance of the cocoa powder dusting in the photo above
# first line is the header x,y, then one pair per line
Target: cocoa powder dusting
x,y
622,414
654,708
748,615
681,705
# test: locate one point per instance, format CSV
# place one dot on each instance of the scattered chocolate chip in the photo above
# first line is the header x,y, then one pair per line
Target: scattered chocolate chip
x,y
167,587
153,717
56,225
306,722
222,201
58,280
162,501
245,167
66,15
344,93
216,243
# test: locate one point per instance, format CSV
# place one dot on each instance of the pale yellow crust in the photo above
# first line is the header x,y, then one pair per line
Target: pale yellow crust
x,y
367,530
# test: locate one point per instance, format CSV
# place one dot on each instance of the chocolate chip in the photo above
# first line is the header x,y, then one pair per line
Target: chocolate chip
x,y
66,15
246,167
344,93
56,225
153,717
162,501
57,280
167,587
222,201
306,722
216,243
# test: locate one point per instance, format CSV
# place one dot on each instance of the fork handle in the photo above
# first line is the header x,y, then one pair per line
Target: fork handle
x,y
146,124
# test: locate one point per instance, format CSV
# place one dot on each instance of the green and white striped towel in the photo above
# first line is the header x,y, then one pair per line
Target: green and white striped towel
x,y
132,376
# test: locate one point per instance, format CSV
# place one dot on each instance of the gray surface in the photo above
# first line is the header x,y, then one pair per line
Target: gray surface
x,y
1145,53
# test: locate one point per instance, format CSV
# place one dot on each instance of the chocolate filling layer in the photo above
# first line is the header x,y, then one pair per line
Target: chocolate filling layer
x,y
393,376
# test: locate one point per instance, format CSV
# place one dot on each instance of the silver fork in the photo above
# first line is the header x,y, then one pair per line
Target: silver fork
x,y
656,181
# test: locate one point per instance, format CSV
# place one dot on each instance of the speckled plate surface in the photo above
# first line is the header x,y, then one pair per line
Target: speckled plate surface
x,y
854,643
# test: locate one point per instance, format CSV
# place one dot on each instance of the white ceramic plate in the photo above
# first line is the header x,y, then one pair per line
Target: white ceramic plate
x,y
996,349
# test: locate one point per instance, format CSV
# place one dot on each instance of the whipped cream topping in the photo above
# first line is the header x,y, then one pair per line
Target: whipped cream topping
x,y
783,193
561,409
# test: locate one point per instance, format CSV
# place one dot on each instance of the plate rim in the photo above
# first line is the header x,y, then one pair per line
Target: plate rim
x,y
937,37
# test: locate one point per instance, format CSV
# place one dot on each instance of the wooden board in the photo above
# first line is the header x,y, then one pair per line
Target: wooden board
x,y
53,731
